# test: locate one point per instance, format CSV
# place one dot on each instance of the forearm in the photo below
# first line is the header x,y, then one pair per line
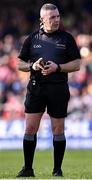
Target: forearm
x,y
71,66
68,67
36,66
23,66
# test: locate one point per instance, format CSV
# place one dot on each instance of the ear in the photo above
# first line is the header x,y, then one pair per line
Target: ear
x,y
41,19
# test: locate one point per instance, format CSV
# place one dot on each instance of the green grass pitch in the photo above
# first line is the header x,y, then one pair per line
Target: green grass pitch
x,y
77,164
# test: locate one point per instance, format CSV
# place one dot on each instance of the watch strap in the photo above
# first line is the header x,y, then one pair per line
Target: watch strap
x,y
58,68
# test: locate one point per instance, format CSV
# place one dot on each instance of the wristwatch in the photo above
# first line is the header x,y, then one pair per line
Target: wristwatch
x,y
58,68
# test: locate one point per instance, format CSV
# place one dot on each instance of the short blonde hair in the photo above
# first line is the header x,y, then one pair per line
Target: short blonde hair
x,y
46,7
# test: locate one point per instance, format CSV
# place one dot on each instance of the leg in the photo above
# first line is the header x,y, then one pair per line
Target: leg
x,y
58,97
29,143
59,143
35,104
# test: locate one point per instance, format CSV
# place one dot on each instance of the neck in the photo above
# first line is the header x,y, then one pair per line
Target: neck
x,y
48,31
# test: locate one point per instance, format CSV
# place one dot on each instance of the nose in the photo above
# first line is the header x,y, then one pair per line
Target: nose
x,y
57,19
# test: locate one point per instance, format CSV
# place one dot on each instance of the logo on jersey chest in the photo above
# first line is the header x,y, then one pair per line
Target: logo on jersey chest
x,y
61,46
37,46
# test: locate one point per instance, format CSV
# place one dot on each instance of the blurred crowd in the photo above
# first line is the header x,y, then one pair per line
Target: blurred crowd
x,y
14,26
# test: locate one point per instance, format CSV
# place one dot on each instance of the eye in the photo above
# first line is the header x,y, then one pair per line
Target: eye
x,y
58,16
53,17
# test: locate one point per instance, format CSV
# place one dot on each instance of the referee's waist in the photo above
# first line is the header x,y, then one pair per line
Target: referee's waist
x,y
53,82
51,78
50,81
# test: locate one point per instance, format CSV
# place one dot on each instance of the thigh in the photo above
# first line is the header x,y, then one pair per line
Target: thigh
x,y
32,122
58,97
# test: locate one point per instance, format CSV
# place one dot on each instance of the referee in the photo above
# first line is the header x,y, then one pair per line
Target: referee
x,y
49,54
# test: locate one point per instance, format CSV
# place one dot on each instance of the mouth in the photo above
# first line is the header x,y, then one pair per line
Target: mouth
x,y
56,24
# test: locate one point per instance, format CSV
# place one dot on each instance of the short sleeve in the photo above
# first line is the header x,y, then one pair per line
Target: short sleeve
x,y
72,50
24,53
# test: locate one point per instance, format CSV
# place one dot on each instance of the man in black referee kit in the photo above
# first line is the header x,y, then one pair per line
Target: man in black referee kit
x,y
49,54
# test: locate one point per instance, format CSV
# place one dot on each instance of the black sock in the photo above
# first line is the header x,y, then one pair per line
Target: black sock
x,y
29,145
59,143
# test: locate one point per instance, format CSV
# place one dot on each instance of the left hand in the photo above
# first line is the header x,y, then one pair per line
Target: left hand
x,y
49,68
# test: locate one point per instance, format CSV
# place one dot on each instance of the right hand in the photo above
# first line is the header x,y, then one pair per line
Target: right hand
x,y
39,64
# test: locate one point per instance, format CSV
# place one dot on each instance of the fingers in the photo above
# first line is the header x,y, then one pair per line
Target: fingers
x,y
50,68
46,68
34,67
45,72
50,62
38,65
39,60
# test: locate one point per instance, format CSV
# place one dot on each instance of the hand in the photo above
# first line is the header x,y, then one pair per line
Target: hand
x,y
49,68
39,64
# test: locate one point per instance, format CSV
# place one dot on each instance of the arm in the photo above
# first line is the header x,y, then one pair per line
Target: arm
x,y
68,67
71,66
72,56
27,66
23,66
24,56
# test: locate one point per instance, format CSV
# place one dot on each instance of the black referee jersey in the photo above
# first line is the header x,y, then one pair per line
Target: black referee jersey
x,y
59,47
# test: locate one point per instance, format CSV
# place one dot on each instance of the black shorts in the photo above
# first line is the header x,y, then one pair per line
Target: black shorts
x,y
54,97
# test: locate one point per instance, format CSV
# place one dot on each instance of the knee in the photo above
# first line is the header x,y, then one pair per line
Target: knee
x,y
58,130
31,129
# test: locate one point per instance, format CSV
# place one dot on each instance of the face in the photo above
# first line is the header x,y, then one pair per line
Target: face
x,y
51,20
